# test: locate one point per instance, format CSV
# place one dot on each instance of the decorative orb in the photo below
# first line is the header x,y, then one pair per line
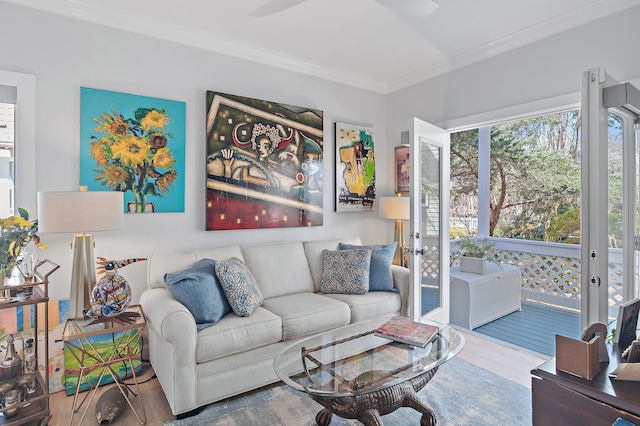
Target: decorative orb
x,y
110,296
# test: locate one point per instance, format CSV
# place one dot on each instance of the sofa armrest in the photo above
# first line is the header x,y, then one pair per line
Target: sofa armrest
x,y
402,282
169,318
173,342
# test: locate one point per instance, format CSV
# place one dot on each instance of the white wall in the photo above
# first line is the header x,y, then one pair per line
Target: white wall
x,y
65,54
550,68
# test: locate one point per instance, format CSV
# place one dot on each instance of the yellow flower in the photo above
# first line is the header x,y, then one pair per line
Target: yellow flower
x,y
155,120
113,176
131,150
16,221
38,243
98,151
164,159
166,181
114,124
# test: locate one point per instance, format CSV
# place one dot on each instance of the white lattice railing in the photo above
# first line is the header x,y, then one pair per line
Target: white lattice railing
x,y
550,271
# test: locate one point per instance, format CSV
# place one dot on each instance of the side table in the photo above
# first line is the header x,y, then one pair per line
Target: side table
x,y
477,299
77,336
561,399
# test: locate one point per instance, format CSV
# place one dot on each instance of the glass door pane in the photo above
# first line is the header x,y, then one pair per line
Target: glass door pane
x,y
615,213
430,190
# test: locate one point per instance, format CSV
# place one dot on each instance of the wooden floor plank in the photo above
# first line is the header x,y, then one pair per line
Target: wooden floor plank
x,y
534,327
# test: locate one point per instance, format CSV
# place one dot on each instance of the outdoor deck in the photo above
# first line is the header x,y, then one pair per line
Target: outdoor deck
x,y
534,327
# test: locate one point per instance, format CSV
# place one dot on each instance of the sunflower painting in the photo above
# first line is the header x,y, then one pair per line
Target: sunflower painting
x,y
133,144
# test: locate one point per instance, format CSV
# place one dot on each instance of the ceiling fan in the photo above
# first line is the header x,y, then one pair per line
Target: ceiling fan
x,y
415,8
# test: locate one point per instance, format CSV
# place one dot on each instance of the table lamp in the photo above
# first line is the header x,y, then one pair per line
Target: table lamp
x,y
396,208
80,212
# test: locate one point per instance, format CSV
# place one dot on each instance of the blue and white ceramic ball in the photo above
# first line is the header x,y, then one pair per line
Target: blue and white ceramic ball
x,y
110,297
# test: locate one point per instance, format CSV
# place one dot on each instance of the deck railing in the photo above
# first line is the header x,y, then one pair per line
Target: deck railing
x,y
550,271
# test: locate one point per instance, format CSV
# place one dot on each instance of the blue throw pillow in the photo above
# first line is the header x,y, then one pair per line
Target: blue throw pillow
x,y
345,271
380,278
198,288
239,285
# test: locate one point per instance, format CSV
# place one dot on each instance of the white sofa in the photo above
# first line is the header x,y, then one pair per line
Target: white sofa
x,y
236,354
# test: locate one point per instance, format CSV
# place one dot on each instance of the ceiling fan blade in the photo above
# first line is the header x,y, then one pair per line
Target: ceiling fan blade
x,y
415,8
274,6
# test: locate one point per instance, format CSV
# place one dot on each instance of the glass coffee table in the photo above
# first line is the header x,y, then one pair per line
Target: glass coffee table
x,y
355,374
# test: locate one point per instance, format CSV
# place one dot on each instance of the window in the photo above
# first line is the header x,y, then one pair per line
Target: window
x,y
534,179
7,144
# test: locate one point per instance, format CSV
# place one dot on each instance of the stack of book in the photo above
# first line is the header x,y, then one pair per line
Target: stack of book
x,y
404,330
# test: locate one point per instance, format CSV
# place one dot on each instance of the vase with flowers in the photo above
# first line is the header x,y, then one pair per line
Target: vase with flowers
x,y
132,155
16,232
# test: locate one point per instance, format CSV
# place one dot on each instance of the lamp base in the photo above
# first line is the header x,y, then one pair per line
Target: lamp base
x,y
398,237
83,276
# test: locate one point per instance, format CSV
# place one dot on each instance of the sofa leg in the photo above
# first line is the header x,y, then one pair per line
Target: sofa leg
x,y
189,413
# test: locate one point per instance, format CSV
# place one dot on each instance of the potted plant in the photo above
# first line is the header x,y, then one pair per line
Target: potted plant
x,y
473,255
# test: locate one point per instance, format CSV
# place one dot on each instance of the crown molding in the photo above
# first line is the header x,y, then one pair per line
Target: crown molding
x,y
194,38
226,46
548,28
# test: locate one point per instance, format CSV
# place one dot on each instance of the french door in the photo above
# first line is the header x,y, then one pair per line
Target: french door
x,y
429,240
609,212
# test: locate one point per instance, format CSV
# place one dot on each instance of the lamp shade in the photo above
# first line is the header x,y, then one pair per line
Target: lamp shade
x,y
80,211
396,208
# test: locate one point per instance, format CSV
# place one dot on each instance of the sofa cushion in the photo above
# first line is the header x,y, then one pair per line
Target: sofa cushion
x,y
346,271
239,286
306,313
198,288
160,264
234,334
380,278
279,268
313,251
220,253
371,305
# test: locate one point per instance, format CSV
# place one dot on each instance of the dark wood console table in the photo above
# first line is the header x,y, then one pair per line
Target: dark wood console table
x,y
558,398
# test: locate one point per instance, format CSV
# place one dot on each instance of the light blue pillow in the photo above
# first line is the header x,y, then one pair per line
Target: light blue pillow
x,y
345,271
198,289
239,286
380,277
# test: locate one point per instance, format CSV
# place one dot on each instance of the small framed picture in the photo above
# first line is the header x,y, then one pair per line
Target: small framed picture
x,y
403,170
633,354
627,323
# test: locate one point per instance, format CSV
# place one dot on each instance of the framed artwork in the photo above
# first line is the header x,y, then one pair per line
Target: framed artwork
x,y
403,169
633,352
264,164
627,323
136,145
355,168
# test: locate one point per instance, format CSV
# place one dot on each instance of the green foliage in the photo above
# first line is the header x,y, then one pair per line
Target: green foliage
x,y
471,247
565,227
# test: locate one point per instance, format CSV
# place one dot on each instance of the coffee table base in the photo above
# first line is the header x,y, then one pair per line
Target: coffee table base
x,y
368,407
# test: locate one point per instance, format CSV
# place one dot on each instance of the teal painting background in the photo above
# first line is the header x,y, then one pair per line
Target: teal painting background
x,y
95,102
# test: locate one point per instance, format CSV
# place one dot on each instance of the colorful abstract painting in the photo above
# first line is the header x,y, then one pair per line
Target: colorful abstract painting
x,y
264,164
18,321
104,344
136,145
355,168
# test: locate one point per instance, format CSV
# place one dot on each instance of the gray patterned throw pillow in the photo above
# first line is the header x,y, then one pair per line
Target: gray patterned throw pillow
x,y
345,271
239,286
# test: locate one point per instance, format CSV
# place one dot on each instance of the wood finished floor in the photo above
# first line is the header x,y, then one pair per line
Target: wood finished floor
x,y
534,327
498,357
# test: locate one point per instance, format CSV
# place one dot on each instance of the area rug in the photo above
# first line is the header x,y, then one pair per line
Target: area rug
x,y
460,394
